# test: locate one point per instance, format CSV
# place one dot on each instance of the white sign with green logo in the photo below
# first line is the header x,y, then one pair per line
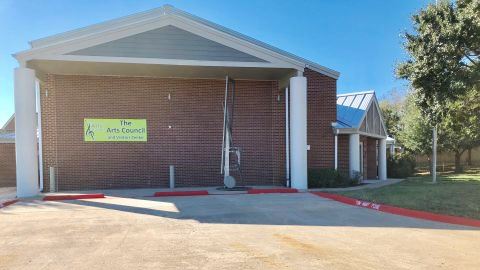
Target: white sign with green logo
x,y
115,130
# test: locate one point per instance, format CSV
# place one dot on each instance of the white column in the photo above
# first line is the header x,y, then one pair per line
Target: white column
x,y
354,153
382,159
26,133
298,132
287,136
39,132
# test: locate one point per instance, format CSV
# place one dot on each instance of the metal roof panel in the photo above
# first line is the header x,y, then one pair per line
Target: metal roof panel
x,y
352,107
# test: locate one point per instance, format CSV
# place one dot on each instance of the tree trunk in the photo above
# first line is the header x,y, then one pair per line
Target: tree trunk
x,y
458,165
430,165
469,157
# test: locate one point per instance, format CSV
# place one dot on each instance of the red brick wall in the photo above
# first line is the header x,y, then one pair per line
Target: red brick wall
x,y
371,153
193,144
369,156
7,165
343,152
321,112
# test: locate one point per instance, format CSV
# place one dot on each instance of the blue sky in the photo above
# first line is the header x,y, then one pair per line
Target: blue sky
x,y
361,39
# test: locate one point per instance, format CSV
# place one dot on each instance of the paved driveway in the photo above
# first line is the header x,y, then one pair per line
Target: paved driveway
x,y
271,231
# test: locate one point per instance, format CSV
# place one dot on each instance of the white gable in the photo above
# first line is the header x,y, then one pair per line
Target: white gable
x,y
110,42
168,42
372,122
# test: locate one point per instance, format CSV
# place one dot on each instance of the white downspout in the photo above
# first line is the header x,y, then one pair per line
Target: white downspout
x,y
39,133
335,134
287,137
336,151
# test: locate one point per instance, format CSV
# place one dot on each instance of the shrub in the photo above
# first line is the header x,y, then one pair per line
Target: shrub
x,y
400,165
329,178
355,180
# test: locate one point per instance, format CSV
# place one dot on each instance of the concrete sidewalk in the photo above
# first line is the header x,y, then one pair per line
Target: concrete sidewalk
x,y
146,192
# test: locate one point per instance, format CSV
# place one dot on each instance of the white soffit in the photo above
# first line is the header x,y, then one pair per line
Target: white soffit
x,y
56,47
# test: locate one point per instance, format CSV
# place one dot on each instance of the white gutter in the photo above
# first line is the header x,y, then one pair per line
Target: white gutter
x,y
39,133
287,137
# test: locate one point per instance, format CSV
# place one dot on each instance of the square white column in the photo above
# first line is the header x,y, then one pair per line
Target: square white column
x,y
354,154
26,133
382,159
298,132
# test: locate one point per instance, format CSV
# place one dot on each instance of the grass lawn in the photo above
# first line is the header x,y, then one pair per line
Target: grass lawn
x,y
454,194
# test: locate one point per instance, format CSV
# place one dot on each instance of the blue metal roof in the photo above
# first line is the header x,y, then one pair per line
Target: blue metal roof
x,y
352,107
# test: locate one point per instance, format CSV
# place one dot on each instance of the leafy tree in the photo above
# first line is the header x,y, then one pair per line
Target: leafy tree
x,y
392,109
444,54
458,132
417,130
443,68
460,129
391,117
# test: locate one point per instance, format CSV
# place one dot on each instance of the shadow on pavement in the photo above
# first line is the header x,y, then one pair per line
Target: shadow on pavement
x,y
302,209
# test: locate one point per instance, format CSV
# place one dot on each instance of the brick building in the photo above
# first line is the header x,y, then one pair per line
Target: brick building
x,y
361,136
7,154
190,87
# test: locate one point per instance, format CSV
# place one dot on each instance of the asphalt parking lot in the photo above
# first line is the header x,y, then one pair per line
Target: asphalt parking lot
x,y
270,231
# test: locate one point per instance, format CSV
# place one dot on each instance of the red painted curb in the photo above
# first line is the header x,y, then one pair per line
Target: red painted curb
x,y
73,197
272,190
7,203
181,193
401,211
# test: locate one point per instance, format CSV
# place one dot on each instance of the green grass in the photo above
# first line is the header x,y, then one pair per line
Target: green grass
x,y
454,194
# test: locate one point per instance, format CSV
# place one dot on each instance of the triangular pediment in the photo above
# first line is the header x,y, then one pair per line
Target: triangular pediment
x,y
373,121
163,36
168,42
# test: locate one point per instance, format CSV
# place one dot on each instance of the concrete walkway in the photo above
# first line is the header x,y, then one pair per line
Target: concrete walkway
x,y
145,192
